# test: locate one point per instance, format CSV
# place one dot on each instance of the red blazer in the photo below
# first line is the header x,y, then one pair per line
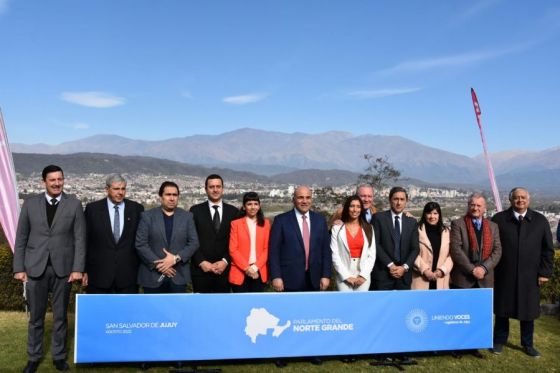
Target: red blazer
x,y
240,246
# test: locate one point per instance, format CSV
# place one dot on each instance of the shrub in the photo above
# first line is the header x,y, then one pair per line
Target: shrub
x,y
550,292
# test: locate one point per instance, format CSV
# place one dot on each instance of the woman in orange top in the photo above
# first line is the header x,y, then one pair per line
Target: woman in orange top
x,y
248,247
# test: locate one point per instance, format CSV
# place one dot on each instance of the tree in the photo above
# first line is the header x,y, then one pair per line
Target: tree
x,y
379,172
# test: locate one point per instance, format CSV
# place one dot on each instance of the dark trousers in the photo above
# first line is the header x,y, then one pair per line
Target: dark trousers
x,y
211,283
249,285
308,286
38,289
501,331
132,289
167,287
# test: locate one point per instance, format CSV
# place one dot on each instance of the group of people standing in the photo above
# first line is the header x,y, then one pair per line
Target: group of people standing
x,y
115,247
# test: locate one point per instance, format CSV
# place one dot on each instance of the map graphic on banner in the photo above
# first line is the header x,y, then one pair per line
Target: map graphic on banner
x,y
260,321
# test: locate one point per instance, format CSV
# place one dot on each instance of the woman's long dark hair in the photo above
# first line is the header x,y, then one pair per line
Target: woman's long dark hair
x,y
368,229
252,196
429,207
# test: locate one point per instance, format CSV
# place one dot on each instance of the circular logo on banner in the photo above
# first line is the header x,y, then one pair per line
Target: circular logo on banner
x,y
416,320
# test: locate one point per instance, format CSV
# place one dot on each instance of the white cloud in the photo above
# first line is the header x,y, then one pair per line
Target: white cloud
x,y
4,6
378,93
186,94
458,60
93,99
245,99
80,126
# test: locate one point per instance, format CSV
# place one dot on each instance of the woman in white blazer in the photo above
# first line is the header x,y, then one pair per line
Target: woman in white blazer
x,y
353,248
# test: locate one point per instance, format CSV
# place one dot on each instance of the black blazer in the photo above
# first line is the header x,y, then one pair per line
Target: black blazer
x,y
107,260
213,245
410,248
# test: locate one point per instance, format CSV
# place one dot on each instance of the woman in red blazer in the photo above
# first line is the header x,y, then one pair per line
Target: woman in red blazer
x,y
248,247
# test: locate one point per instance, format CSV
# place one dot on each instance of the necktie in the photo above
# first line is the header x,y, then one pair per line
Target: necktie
x,y
368,215
216,218
53,201
397,239
117,225
305,233
520,224
520,219
477,224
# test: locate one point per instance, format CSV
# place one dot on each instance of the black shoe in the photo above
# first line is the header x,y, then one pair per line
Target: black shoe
x,y
530,350
31,367
477,354
497,349
315,361
61,365
456,354
280,363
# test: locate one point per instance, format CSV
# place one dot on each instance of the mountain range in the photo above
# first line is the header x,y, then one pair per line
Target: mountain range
x,y
277,154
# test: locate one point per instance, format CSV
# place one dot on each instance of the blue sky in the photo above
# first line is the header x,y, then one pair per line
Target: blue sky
x,y
160,69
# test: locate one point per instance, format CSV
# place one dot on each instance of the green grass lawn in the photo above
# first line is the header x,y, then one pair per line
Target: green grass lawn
x,y
13,357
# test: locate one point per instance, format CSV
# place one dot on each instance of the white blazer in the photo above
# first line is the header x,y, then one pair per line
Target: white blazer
x,y
341,254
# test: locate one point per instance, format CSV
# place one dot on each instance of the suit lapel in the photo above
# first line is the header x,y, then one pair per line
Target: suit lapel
x,y
342,235
127,217
423,237
106,218
295,227
161,224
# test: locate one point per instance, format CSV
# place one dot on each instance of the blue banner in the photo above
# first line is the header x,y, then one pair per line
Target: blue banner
x,y
173,327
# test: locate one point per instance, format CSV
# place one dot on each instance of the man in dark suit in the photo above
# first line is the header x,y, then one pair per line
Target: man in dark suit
x,y
526,264
49,255
165,241
396,239
111,261
299,254
210,263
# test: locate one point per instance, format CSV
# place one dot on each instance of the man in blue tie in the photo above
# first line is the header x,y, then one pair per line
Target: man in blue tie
x,y
475,249
111,261
396,239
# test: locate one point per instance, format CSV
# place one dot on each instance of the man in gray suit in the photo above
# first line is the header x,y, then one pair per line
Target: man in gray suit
x,y
165,241
49,255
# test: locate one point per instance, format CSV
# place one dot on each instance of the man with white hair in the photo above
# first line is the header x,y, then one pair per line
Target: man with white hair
x,y
526,264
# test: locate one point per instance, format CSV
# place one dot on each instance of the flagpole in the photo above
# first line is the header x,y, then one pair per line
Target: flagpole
x,y
491,175
9,202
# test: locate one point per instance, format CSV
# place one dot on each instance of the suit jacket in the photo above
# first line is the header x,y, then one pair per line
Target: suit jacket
x,y
151,239
108,261
213,245
286,253
64,241
341,254
240,248
383,226
425,260
527,254
462,276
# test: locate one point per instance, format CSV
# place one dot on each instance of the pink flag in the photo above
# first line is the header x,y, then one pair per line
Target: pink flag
x,y
491,176
9,204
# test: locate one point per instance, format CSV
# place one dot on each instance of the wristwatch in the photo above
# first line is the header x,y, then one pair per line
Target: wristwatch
x,y
177,259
